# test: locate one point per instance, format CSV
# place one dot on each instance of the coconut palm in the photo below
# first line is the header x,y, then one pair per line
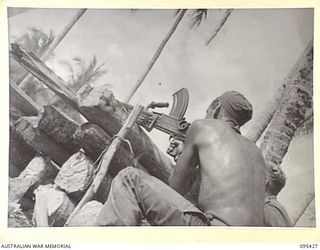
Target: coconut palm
x,y
82,73
293,116
34,40
220,25
291,112
49,50
43,46
199,15
156,55
306,126
308,210
262,121
38,42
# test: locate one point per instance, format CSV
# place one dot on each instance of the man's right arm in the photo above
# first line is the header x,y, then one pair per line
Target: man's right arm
x,y
187,163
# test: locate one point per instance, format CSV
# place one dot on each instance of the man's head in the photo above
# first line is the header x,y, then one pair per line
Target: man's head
x,y
276,180
231,106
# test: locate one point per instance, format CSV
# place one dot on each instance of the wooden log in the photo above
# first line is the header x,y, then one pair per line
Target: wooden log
x,y
67,109
58,126
16,217
20,153
55,203
23,102
40,212
45,55
87,215
27,129
35,66
14,114
39,171
89,136
94,140
100,106
76,174
106,159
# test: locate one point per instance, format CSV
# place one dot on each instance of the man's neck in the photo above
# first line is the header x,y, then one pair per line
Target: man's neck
x,y
270,196
233,125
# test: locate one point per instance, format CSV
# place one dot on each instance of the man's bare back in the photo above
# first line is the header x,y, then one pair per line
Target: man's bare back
x,y
232,173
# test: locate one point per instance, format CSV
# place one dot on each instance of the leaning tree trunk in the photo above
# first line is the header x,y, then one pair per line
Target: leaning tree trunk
x,y
290,113
156,55
27,77
263,120
221,24
307,214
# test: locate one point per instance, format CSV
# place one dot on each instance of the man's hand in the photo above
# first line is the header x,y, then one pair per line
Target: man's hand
x,y
175,148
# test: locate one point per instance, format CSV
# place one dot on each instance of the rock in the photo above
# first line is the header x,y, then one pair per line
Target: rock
x,y
87,215
76,173
16,218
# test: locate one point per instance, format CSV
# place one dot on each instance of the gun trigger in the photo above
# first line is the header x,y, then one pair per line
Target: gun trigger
x,y
151,124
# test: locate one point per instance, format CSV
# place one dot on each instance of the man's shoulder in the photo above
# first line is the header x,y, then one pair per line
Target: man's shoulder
x,y
212,126
203,129
275,214
208,123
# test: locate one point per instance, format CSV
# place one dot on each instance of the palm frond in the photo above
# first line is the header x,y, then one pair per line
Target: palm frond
x,y
36,40
70,69
197,17
83,73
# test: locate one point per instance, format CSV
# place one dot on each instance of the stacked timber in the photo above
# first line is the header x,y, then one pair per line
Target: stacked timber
x,y
54,159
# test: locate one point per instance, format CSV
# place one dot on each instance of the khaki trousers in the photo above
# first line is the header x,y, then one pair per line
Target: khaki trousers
x,y
135,195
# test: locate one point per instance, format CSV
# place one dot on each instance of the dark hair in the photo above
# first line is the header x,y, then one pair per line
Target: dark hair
x,y
276,177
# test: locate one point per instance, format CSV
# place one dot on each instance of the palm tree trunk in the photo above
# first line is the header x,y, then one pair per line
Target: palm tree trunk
x,y
304,210
290,113
17,11
223,21
156,55
27,77
262,121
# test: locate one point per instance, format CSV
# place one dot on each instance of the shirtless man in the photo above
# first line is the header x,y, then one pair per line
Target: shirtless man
x,y
232,177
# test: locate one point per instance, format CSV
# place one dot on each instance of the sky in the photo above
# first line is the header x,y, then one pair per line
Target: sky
x,y
252,54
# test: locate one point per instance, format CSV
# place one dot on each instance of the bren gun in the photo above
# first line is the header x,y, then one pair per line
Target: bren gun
x,y
173,124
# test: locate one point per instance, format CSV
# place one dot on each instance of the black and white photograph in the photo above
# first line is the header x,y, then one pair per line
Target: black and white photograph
x,y
161,117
